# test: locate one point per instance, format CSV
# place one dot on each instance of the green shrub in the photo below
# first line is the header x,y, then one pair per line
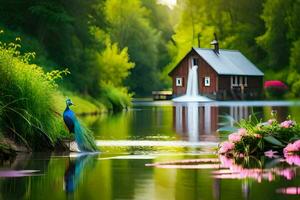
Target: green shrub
x,y
27,94
115,98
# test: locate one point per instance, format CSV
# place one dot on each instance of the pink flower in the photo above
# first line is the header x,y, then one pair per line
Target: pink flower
x,y
289,148
292,148
287,124
257,136
242,132
292,159
297,145
234,137
271,121
226,147
241,155
271,154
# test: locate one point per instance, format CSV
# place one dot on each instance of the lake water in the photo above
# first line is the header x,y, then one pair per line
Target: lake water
x,y
158,150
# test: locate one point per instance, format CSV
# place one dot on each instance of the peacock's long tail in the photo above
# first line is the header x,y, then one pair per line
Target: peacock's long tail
x,y
84,138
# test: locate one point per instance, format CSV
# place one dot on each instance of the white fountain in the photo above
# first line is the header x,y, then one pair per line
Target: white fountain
x,y
192,93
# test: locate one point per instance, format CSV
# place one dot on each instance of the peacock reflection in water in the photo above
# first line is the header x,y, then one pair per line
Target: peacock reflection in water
x,y
75,167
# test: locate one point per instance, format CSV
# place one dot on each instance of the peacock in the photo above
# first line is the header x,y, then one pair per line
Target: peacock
x,y
83,136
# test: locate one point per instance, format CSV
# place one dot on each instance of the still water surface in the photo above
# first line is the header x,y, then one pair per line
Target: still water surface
x,y
162,151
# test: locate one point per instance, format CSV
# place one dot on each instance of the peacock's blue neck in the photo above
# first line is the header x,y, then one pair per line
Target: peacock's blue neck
x,y
67,108
69,112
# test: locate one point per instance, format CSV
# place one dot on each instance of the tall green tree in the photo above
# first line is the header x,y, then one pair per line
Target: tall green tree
x,y
130,27
275,40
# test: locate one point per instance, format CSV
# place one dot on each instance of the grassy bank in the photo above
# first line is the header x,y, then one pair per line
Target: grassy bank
x,y
27,96
31,103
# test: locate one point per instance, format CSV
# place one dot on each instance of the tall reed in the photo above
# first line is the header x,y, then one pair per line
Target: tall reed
x,y
27,96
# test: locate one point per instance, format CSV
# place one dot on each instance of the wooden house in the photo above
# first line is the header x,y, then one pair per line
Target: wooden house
x,y
222,74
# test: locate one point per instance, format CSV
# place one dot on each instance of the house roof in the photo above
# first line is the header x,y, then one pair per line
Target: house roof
x,y
228,62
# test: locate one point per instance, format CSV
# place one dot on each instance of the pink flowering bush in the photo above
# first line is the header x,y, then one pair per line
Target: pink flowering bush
x,y
287,124
292,159
226,147
275,88
256,138
292,148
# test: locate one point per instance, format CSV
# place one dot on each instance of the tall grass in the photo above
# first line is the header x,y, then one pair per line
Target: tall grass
x,y
27,96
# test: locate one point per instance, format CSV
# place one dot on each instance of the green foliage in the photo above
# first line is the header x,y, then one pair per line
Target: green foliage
x,y
27,97
114,64
114,98
151,36
237,24
275,40
56,74
129,27
29,44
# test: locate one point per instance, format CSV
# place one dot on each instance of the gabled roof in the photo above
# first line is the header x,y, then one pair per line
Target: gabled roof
x,y
228,62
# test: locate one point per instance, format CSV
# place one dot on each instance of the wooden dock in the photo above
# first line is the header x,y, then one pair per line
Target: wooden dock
x,y
162,95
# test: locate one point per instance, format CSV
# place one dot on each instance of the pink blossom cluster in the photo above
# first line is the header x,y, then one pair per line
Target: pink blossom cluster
x,y
292,148
271,121
275,83
226,147
287,124
236,137
292,159
271,154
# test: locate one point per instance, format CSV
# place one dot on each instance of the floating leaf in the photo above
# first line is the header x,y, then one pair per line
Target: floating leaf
x,y
273,141
227,129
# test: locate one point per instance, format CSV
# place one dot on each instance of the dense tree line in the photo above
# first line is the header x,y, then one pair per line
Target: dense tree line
x,y
266,31
101,42
134,43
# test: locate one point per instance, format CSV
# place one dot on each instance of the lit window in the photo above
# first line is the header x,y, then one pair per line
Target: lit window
x,y
178,81
207,81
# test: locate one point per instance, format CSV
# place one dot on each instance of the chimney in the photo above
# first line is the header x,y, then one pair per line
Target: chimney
x,y
216,44
199,35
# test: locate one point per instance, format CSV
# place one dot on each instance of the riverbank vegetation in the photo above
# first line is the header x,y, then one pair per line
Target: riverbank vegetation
x,y
28,113
258,138
108,51
132,45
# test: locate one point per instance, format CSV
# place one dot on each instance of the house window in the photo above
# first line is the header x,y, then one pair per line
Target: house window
x,y
245,81
194,61
238,81
178,81
207,81
234,80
